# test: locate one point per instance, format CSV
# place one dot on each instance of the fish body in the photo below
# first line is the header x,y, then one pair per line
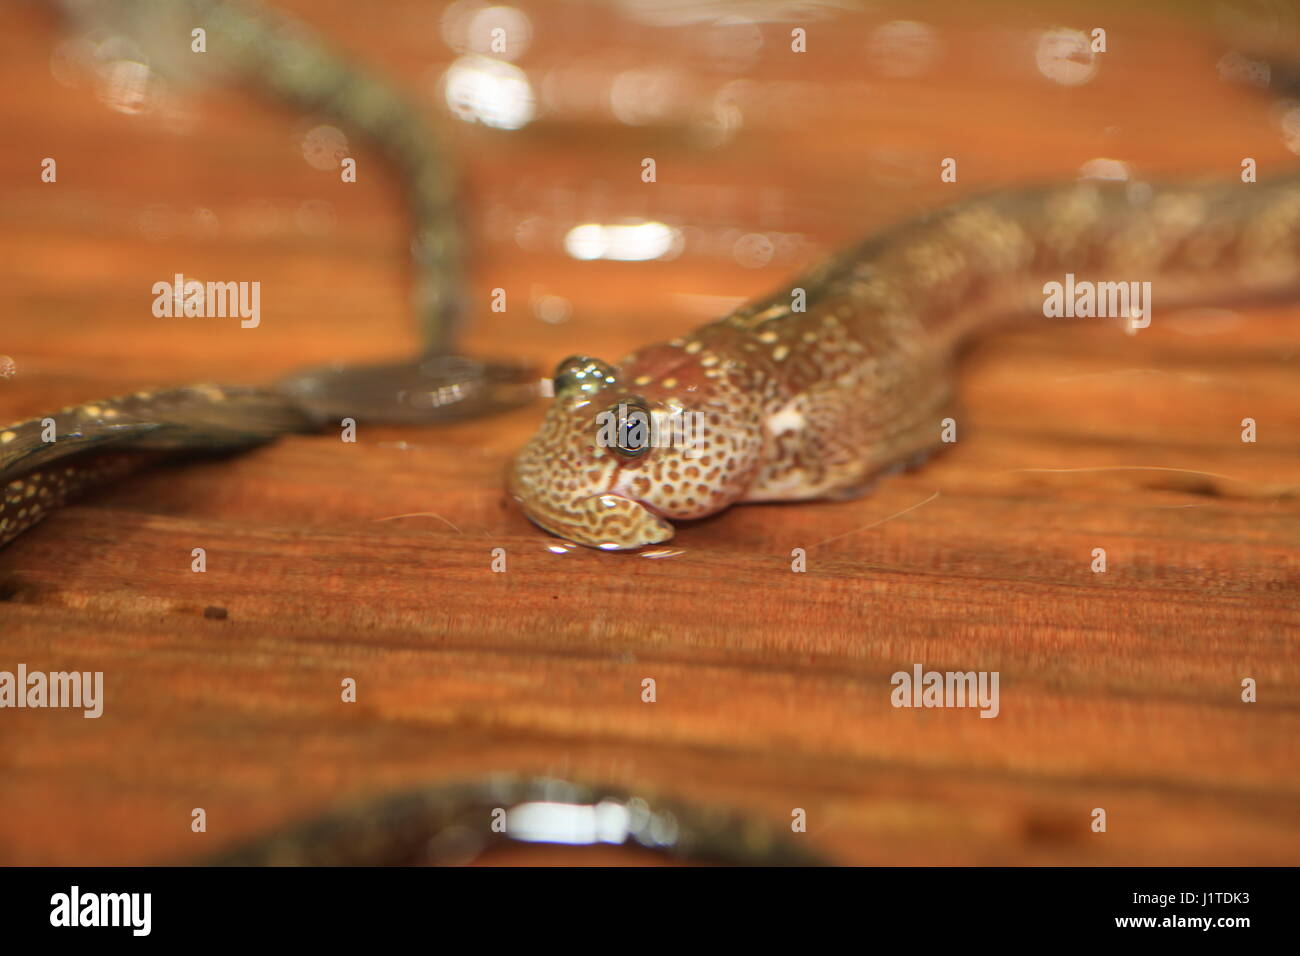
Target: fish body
x,y
457,822
848,371
807,393
44,462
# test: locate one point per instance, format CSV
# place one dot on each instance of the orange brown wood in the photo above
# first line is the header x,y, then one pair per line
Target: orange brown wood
x,y
1120,690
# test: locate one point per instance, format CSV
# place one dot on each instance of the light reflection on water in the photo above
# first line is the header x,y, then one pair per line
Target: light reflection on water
x,y
626,242
720,89
568,823
480,89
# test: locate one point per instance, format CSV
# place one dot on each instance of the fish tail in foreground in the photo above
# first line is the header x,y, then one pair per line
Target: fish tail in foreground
x,y
46,461
43,464
273,53
278,55
847,372
454,823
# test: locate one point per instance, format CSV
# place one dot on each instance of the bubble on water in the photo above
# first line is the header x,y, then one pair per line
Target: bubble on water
x,y
623,242
551,309
479,89
124,87
123,79
1065,56
8,367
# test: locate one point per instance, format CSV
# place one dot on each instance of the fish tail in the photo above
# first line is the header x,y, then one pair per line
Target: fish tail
x,y
46,462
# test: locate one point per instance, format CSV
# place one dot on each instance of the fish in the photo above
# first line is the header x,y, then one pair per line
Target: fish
x,y
455,822
47,461
814,391
848,372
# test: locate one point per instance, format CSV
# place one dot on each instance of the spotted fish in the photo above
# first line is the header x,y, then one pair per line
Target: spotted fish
x,y
847,372
807,393
46,461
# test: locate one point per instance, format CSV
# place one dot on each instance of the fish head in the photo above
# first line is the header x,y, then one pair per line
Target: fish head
x,y
623,451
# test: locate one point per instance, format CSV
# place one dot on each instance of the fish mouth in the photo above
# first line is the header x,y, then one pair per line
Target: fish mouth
x,y
605,521
639,525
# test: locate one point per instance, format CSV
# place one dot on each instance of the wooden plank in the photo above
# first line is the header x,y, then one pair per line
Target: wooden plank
x,y
1120,690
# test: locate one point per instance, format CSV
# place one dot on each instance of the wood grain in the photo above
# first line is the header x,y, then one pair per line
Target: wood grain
x,y
1119,690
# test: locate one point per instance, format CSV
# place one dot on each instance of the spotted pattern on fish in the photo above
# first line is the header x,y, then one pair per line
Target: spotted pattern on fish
x,y
44,462
28,499
808,404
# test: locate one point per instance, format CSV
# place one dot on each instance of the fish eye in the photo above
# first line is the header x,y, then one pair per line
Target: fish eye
x,y
626,429
581,373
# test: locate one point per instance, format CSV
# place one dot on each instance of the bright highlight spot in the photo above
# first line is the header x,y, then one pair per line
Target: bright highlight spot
x,y
126,86
624,243
570,823
1065,56
491,92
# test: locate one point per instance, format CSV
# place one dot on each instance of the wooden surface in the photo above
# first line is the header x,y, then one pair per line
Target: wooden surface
x,y
1119,690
